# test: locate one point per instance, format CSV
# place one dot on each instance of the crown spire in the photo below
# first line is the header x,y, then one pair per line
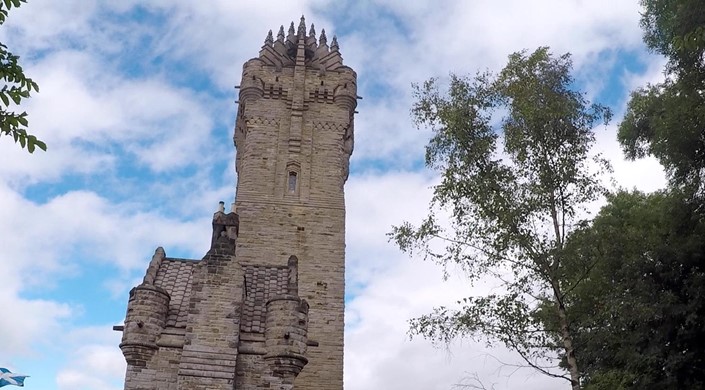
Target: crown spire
x,y
303,45
291,36
323,40
302,27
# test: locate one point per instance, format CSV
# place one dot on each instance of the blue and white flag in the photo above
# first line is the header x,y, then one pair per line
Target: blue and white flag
x,y
8,378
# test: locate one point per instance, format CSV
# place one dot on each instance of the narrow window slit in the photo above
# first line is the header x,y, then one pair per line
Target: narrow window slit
x,y
292,181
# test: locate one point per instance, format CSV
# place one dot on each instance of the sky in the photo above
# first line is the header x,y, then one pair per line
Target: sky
x,y
137,107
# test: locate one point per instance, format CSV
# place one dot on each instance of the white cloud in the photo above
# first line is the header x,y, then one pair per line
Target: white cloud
x,y
405,42
94,363
24,321
379,353
79,222
46,24
385,133
45,244
88,119
218,38
645,174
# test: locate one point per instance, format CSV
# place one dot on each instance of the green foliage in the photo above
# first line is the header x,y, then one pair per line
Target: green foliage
x,y
610,380
640,310
676,29
692,41
507,319
16,87
667,120
514,188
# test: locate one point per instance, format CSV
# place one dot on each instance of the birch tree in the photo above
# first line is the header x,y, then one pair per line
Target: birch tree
x,y
513,150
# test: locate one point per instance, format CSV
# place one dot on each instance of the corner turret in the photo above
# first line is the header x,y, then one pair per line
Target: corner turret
x,y
146,316
286,335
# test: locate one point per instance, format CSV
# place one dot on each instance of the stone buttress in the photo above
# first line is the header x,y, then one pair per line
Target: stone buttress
x,y
264,307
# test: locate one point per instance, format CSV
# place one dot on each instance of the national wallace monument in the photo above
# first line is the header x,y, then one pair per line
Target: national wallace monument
x,y
264,307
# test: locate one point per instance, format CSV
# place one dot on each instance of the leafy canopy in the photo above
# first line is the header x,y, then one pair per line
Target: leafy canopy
x,y
675,29
16,87
638,315
667,120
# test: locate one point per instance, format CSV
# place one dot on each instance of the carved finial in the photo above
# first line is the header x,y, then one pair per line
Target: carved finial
x,y
291,36
160,252
233,208
280,35
302,27
323,40
312,31
153,268
221,207
334,44
270,39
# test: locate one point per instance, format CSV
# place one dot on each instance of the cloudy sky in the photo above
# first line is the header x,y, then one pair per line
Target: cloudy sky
x,y
137,108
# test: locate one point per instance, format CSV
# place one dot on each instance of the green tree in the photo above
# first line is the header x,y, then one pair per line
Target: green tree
x,y
639,314
675,29
514,187
667,120
16,87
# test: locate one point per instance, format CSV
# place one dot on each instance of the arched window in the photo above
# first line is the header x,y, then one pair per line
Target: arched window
x,y
292,182
293,177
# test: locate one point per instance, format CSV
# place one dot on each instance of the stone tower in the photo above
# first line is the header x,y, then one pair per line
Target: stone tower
x,y
264,307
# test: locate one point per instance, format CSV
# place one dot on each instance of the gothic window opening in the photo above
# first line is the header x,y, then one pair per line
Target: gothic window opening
x,y
292,182
293,176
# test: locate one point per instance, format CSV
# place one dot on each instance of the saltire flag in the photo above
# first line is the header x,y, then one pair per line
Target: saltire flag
x,y
8,378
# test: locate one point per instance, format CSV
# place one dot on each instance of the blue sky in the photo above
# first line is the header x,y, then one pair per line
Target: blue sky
x,y
137,108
